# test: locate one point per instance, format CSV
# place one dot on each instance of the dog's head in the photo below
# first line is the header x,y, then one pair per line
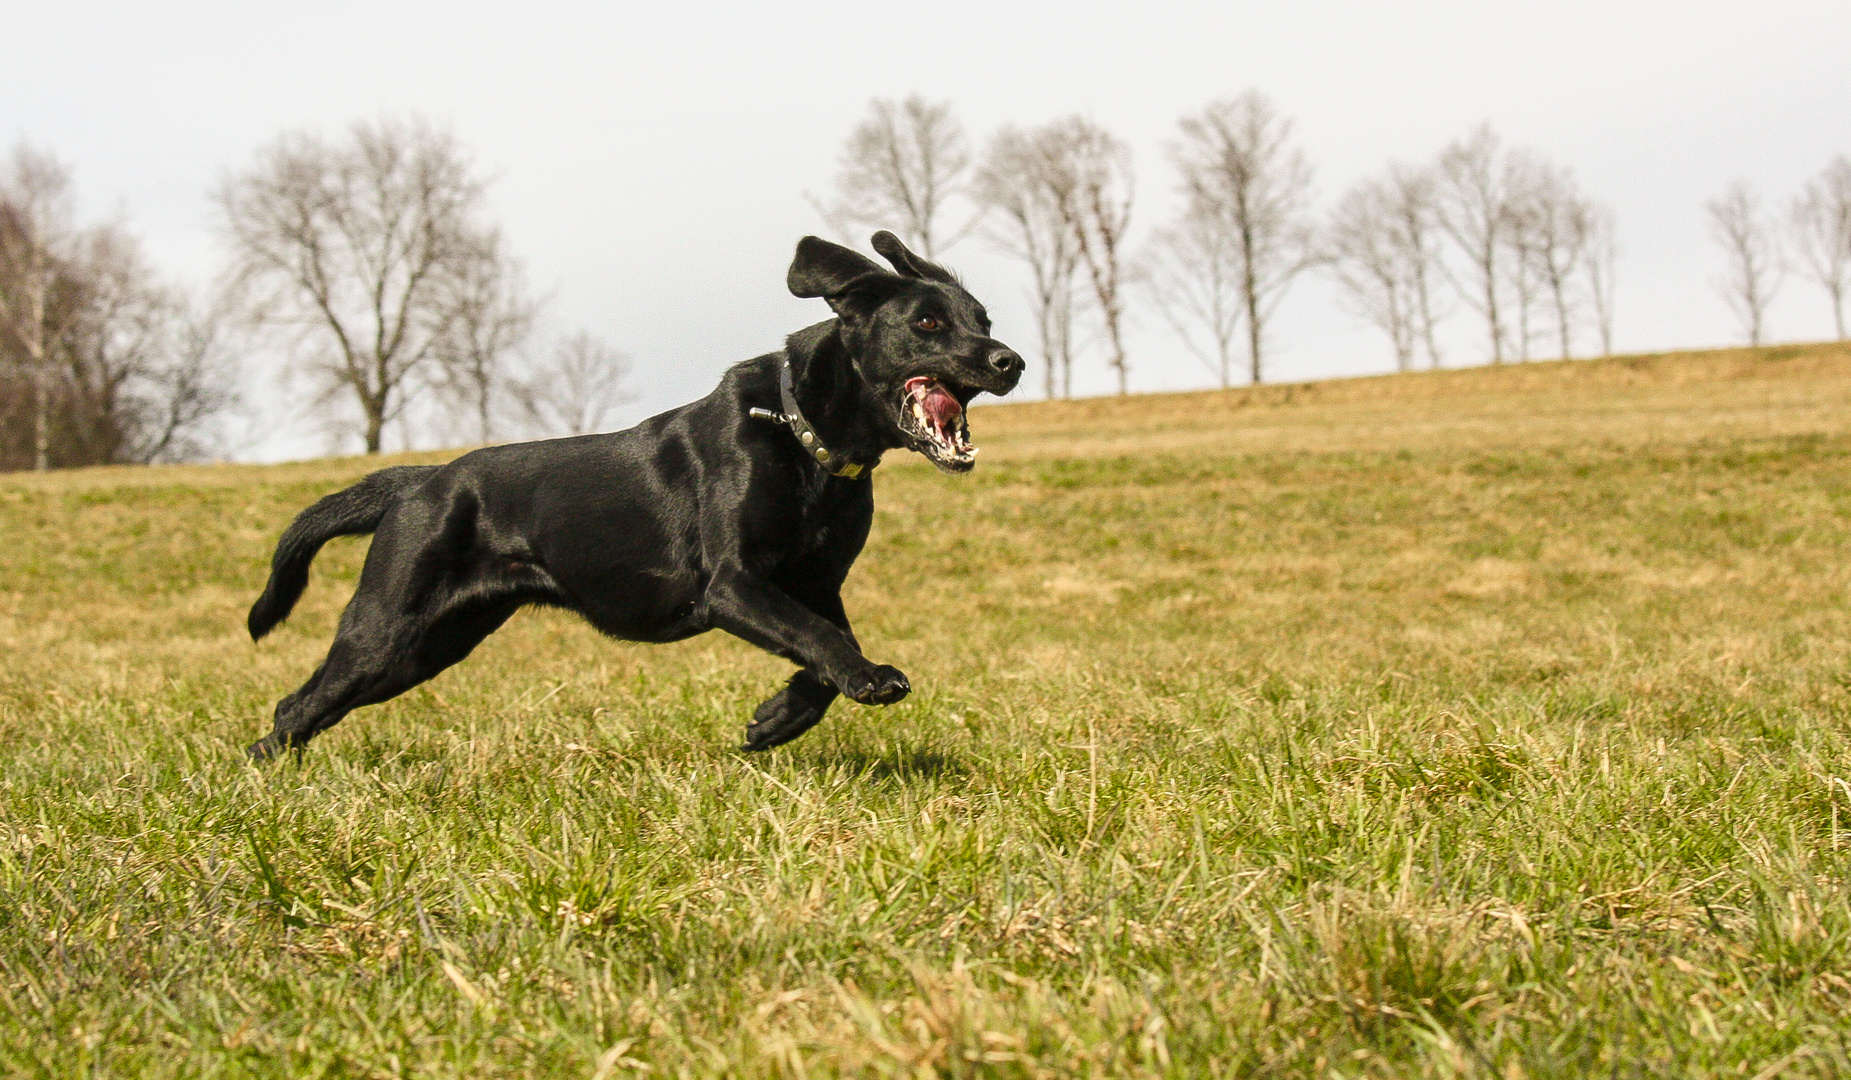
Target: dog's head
x,y
920,343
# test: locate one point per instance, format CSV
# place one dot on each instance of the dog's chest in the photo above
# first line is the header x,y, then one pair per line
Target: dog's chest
x,y
831,518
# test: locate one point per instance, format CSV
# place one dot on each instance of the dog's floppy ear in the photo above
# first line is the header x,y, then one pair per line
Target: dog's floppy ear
x,y
853,284
906,262
825,269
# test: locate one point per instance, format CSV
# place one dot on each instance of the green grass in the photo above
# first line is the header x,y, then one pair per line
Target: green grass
x,y
1486,724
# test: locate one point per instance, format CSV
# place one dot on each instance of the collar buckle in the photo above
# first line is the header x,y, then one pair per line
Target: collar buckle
x,y
806,435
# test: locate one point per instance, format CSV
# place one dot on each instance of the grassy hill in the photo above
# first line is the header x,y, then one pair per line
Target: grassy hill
x,y
1471,723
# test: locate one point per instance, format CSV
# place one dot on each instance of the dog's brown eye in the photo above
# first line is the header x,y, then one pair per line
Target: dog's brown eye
x,y
927,323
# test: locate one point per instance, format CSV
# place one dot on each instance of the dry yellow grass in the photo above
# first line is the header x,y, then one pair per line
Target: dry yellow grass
x,y
1630,401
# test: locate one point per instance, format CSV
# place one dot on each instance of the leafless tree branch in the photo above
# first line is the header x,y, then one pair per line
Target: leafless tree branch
x,y
98,357
579,391
1821,226
899,167
492,317
1550,225
1598,259
358,247
1472,189
1242,177
37,235
1752,268
1017,184
1088,177
1369,258
1194,276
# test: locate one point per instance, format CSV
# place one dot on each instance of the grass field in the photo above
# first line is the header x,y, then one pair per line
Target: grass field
x,y
1492,723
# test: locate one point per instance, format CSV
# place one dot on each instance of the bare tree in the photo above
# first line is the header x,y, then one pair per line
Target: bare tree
x,y
1016,185
1241,175
1472,189
117,339
1599,256
1551,224
492,317
1412,205
144,372
1367,253
36,237
194,385
1522,245
357,247
101,362
1194,273
1089,178
898,168
1753,267
1821,220
580,391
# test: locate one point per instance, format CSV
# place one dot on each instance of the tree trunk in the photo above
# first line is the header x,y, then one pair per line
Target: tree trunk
x,y
375,422
1252,296
1118,357
1491,310
41,420
1253,344
1560,289
1426,322
41,378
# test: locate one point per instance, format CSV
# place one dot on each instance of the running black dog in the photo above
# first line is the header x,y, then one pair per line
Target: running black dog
x,y
741,512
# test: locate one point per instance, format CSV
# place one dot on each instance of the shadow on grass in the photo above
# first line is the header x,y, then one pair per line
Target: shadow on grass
x,y
899,764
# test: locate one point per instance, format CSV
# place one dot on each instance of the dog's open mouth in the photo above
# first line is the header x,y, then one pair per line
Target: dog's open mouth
x,y
934,415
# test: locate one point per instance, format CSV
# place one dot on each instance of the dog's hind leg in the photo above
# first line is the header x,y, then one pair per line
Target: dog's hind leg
x,y
367,668
425,600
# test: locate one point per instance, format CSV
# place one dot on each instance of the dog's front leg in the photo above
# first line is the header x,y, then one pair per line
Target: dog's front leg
x,y
800,705
747,606
790,712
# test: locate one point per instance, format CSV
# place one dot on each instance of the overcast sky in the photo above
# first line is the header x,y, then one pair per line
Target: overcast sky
x,y
651,160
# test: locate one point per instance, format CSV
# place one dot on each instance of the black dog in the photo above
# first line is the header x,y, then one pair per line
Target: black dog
x,y
741,512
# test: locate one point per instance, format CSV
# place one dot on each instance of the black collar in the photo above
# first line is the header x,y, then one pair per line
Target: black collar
x,y
833,463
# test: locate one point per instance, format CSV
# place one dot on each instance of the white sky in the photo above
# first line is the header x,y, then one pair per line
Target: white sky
x,y
652,158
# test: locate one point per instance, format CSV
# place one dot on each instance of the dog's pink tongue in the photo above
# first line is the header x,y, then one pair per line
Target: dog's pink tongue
x,y
940,406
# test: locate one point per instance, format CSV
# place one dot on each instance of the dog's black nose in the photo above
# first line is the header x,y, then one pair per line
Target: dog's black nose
x,y
1007,362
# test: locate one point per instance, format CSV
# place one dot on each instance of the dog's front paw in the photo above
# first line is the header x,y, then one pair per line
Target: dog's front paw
x,y
789,714
268,749
882,684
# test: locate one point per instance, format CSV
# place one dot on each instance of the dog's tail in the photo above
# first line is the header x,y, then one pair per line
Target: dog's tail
x,y
353,512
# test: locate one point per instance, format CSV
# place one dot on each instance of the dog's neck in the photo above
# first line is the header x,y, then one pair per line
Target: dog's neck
x,y
833,396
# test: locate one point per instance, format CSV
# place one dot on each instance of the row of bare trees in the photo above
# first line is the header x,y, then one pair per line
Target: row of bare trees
x,y
367,258
101,360
1759,248
1506,233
